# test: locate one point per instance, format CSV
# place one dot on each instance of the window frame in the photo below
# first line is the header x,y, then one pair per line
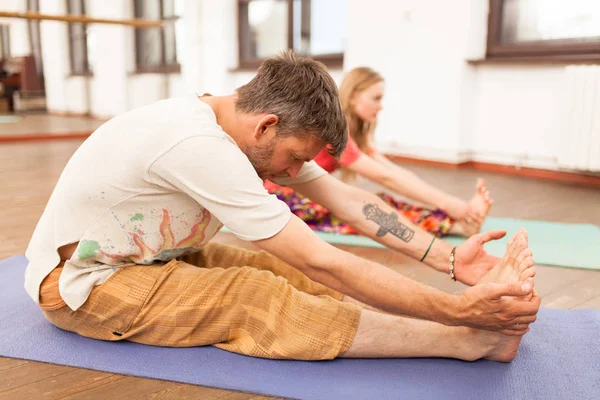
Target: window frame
x,y
86,70
542,50
332,60
35,34
5,38
163,67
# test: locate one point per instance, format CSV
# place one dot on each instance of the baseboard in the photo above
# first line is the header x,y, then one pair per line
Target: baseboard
x,y
37,136
576,178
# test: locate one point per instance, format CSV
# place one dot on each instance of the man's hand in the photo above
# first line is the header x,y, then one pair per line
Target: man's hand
x,y
500,307
472,261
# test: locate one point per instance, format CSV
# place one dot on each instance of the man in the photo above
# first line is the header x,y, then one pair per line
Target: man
x,y
122,252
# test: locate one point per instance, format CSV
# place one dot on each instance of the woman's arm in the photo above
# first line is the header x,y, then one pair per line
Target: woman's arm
x,y
408,184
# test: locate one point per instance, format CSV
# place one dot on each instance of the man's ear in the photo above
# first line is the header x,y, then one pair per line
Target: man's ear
x,y
263,125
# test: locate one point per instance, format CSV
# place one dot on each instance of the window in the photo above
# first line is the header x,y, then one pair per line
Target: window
x,y
4,42
78,40
544,29
309,27
35,39
156,48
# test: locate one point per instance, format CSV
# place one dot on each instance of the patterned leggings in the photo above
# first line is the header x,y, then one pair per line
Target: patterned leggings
x,y
435,221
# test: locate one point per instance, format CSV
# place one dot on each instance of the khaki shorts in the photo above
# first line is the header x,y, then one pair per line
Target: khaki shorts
x,y
242,301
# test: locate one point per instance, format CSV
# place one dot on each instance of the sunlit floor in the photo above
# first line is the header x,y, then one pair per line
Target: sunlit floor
x,y
14,125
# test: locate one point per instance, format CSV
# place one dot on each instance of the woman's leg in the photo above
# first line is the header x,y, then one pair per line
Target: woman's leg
x,y
435,221
316,216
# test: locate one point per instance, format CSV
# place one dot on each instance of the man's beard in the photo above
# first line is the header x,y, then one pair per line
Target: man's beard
x,y
260,158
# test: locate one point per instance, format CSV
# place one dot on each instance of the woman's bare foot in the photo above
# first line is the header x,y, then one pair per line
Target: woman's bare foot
x,y
480,204
464,229
516,266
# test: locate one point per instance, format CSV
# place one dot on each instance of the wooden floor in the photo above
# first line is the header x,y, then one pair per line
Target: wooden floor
x,y
28,172
29,126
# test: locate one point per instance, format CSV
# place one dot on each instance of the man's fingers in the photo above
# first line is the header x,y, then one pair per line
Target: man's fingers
x,y
512,289
524,320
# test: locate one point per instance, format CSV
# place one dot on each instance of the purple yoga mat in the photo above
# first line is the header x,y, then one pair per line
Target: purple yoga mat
x,y
559,359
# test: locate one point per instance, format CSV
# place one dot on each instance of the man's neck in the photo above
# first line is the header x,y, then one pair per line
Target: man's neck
x,y
227,118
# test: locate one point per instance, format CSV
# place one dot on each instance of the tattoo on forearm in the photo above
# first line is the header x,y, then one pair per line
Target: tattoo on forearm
x,y
387,223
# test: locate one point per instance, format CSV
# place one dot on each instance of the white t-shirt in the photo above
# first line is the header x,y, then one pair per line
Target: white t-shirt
x,y
148,186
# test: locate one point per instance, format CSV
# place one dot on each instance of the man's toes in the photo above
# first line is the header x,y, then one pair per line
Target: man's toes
x,y
528,271
522,255
524,234
514,247
526,262
510,243
522,239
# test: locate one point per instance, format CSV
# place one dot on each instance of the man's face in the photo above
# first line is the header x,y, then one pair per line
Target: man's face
x,y
274,157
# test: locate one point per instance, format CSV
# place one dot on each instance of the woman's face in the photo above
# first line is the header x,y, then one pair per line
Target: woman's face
x,y
367,104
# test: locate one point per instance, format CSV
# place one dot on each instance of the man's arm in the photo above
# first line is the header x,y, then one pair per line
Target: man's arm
x,y
482,307
371,216
374,218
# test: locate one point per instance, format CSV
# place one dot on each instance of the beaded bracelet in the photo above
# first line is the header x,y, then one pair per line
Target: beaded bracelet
x,y
452,256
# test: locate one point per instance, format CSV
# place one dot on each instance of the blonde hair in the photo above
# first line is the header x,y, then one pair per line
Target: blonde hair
x,y
356,81
300,91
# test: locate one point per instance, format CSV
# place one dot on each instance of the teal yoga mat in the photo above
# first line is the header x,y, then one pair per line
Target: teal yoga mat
x,y
552,243
7,119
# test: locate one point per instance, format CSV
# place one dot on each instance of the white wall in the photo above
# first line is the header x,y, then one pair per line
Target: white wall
x,y
420,48
208,51
114,87
112,45
437,105
19,33
517,116
55,55
422,72
211,59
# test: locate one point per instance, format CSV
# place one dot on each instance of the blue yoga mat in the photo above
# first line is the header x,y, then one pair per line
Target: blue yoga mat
x,y
559,359
552,243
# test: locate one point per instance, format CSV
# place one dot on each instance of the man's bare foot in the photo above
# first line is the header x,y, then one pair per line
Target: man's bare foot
x,y
517,265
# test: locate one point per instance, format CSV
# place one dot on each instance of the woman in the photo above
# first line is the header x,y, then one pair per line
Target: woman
x,y
361,94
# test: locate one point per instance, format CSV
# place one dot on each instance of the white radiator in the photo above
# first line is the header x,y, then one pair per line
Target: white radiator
x,y
580,132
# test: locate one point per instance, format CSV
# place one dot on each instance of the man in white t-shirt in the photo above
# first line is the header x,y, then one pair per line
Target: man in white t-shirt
x,y
122,250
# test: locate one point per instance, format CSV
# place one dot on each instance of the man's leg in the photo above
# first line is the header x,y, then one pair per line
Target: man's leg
x,y
219,255
384,335
243,310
